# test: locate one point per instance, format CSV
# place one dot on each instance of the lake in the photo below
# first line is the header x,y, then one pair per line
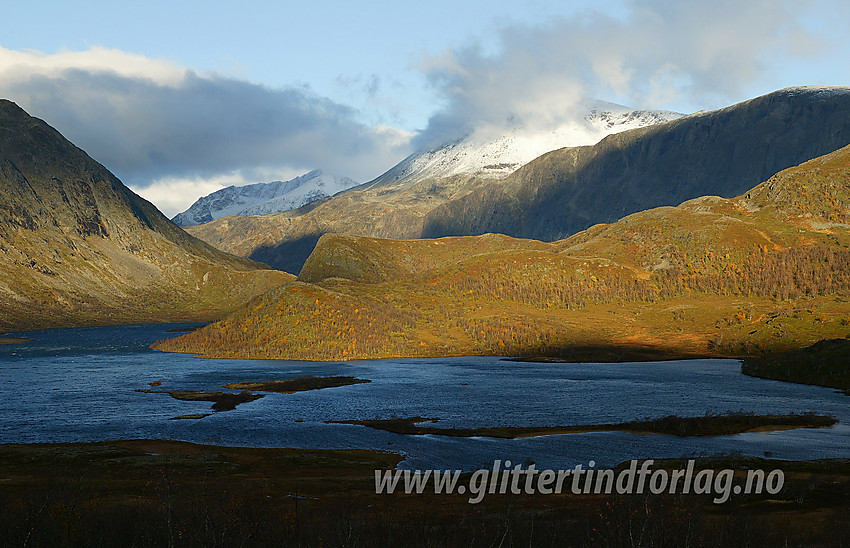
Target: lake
x,y
80,385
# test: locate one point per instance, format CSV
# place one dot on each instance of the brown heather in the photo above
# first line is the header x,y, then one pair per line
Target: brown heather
x,y
767,271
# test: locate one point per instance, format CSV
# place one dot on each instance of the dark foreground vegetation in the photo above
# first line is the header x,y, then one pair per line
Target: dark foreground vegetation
x,y
712,424
825,363
156,493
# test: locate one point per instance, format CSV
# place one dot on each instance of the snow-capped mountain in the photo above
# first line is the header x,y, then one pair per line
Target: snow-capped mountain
x,y
498,153
263,198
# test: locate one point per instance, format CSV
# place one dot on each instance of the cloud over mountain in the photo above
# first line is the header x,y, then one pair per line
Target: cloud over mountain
x,y
148,120
682,56
173,133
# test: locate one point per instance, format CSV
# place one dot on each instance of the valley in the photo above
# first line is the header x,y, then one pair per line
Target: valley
x,y
473,274
397,203
763,272
719,153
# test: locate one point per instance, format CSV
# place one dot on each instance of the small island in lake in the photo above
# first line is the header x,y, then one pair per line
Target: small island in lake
x,y
222,401
300,384
227,401
724,424
13,340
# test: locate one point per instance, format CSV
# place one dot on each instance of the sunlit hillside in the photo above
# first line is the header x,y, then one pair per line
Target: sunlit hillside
x,y
765,271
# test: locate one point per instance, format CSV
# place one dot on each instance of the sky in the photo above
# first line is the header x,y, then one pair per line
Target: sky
x,y
181,98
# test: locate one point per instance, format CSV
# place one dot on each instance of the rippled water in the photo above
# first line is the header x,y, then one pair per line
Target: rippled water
x,y
80,385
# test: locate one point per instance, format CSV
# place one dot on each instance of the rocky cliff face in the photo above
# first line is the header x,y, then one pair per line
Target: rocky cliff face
x,y
78,247
723,153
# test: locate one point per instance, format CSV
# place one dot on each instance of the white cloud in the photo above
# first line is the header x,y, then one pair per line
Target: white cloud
x,y
173,195
149,120
18,65
676,55
174,134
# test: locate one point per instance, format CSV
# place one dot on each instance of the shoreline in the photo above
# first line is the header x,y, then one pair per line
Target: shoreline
x,y
14,340
584,354
594,353
163,449
821,364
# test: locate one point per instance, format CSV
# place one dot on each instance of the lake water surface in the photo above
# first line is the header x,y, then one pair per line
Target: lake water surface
x,y
80,385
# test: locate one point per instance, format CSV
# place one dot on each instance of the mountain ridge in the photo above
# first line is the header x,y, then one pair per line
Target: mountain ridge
x,y
395,204
766,271
569,189
78,247
724,152
482,155
263,198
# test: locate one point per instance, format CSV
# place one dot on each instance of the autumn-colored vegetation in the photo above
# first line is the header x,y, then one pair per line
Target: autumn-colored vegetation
x,y
764,272
77,247
302,321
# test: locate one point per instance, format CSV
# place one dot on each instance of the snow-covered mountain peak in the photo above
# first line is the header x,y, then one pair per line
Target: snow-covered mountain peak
x,y
496,152
263,198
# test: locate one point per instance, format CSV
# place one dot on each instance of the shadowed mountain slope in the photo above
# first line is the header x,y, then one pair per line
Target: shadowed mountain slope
x,y
395,205
766,271
78,247
285,240
724,153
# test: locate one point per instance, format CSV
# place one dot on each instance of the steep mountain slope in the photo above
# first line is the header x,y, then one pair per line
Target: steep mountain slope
x,y
724,153
395,204
264,198
490,156
766,271
78,247
285,240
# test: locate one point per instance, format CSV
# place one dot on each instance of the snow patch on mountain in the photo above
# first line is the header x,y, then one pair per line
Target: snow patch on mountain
x,y
493,154
264,198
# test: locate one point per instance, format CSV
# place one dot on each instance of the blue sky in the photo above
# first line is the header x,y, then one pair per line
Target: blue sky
x,y
179,98
340,49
